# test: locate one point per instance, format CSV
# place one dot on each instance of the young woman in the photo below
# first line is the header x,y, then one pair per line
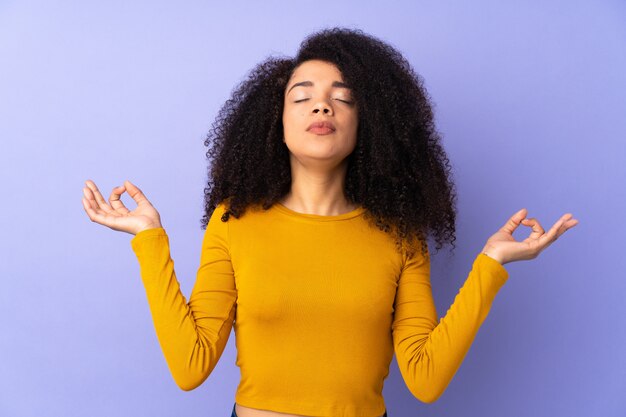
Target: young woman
x,y
327,176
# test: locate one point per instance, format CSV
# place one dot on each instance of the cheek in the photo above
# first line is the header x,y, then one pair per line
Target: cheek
x,y
354,123
286,120
293,119
290,123
289,116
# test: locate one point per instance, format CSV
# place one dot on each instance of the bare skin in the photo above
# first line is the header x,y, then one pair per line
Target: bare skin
x,y
316,92
318,166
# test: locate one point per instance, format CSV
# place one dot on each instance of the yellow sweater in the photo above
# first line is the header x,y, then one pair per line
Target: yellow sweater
x,y
319,305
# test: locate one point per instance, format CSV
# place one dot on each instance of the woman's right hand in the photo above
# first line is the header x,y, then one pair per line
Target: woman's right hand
x,y
116,216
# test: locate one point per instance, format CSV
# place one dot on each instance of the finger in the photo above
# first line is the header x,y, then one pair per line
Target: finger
x,y
555,231
115,201
91,211
568,223
514,221
91,199
97,216
88,209
537,230
93,194
135,192
571,223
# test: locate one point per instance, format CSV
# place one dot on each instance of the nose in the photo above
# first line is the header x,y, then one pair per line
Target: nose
x,y
322,107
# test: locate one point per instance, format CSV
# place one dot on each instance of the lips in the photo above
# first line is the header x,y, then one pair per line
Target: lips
x,y
321,128
321,125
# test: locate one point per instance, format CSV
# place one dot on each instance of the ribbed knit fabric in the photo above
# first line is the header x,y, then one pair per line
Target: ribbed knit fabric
x,y
319,305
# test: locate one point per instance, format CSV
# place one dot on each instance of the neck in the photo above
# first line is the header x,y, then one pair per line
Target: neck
x,y
318,191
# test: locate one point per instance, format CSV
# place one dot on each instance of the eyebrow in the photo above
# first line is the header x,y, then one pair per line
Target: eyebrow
x,y
337,84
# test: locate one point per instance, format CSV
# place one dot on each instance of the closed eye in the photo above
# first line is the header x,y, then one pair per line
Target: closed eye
x,y
338,99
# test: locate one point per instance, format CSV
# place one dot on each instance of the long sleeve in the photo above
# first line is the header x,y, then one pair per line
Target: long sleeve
x,y
430,353
192,335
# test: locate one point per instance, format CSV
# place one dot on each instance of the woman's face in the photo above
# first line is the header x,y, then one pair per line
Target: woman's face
x,y
316,93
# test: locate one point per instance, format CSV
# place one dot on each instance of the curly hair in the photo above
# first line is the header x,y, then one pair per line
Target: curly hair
x,y
398,171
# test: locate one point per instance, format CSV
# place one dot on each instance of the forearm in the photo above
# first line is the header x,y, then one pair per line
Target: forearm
x,y
191,349
431,357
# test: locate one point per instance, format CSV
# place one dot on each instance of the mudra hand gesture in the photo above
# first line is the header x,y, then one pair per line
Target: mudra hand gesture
x,y
116,216
504,248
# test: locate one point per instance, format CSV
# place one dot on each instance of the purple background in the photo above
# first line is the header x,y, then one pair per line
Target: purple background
x,y
530,100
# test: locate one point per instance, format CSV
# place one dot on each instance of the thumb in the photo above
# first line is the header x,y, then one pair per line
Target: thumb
x,y
135,192
514,221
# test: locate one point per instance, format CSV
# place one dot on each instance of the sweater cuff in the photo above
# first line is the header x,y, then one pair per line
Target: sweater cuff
x,y
494,268
154,232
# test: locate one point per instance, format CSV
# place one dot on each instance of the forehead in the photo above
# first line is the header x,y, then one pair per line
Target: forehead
x,y
316,69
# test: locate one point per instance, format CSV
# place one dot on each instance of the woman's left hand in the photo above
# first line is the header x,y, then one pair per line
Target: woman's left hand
x,y
504,248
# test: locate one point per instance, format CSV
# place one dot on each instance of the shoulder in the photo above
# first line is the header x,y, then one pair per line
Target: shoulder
x,y
221,212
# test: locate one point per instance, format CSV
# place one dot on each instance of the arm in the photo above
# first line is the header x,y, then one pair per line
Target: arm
x,y
192,335
430,353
